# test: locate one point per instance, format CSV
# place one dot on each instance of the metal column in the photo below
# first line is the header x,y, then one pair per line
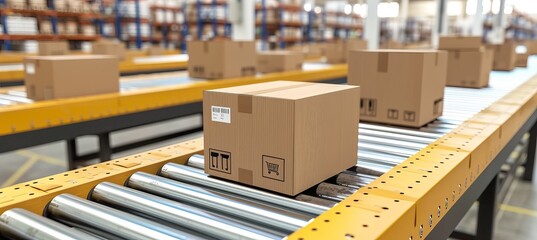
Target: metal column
x,y
372,25
138,25
497,35
244,22
477,22
440,22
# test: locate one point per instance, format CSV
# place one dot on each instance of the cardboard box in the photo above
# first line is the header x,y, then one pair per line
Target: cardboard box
x,y
469,68
105,47
52,77
221,59
281,136
522,59
309,51
504,55
459,43
337,52
401,87
531,46
49,48
156,51
279,61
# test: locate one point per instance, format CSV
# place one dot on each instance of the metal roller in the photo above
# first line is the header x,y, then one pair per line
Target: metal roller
x,y
69,208
333,191
353,180
315,200
185,174
222,203
176,213
23,224
197,161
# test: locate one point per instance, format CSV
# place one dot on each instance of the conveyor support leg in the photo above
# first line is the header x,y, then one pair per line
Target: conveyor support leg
x,y
105,151
487,210
71,153
530,160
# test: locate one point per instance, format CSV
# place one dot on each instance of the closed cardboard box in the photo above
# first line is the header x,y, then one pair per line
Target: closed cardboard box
x,y
469,68
522,59
50,48
401,87
109,48
52,77
390,44
281,136
337,52
459,43
310,51
221,59
531,46
279,61
504,55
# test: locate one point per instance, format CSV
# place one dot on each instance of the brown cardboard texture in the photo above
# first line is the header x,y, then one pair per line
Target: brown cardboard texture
x,y
459,43
391,44
281,136
401,87
51,48
279,61
109,48
221,59
522,59
52,77
469,68
338,51
531,46
504,55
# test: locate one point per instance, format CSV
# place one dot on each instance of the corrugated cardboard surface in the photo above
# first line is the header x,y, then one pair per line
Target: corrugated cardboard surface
x,y
109,48
531,46
51,48
459,43
281,136
221,59
401,87
279,61
504,55
391,44
469,68
51,77
522,59
338,51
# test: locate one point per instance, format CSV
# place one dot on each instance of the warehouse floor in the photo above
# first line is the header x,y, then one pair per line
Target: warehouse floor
x,y
517,217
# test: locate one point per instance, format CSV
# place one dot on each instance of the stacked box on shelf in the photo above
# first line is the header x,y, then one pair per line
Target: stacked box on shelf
x,y
18,25
18,4
37,4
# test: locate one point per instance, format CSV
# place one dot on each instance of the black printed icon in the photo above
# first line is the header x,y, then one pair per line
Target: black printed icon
x,y
220,161
273,168
409,116
393,114
368,107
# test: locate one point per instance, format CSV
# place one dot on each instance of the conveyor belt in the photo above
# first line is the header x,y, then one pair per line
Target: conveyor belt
x,y
182,202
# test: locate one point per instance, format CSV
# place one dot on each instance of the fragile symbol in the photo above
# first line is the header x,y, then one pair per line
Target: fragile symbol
x,y
220,161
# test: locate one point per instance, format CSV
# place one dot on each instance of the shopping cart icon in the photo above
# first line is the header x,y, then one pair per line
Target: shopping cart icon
x,y
273,168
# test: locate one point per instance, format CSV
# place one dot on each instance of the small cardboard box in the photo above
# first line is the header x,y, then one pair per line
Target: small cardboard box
x,y
504,55
279,61
156,51
391,44
51,48
531,46
281,136
52,77
522,59
220,59
459,43
401,87
311,50
469,68
337,52
113,48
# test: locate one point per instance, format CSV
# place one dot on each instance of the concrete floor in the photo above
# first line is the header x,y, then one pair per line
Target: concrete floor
x,y
517,218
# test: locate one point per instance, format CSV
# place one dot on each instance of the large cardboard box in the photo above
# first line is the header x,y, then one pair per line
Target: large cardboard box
x,y
469,68
279,61
52,77
221,59
522,59
338,51
156,51
531,46
504,55
113,48
281,136
459,43
401,87
49,48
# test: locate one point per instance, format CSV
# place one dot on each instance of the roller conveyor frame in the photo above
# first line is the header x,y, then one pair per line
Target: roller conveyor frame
x,y
28,125
384,209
